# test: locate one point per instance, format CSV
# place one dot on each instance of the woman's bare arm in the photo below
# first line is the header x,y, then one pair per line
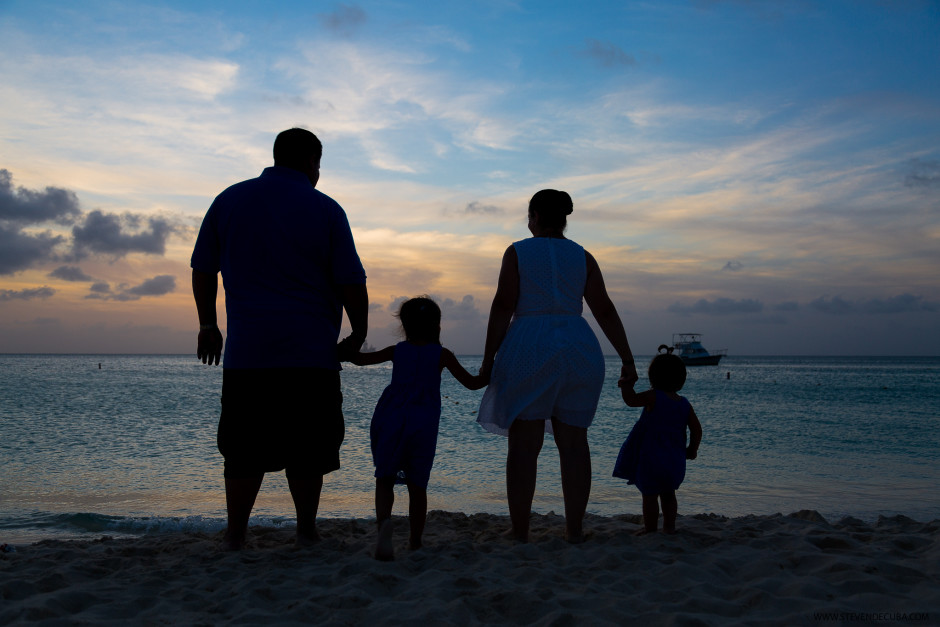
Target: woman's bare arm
x,y
595,294
504,304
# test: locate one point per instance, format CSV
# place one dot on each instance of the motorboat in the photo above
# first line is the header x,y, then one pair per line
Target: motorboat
x,y
689,348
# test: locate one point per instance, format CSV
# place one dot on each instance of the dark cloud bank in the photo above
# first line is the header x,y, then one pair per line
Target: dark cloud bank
x,y
24,244
903,303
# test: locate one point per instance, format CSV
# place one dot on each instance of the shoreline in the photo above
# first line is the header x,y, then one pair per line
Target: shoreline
x,y
777,569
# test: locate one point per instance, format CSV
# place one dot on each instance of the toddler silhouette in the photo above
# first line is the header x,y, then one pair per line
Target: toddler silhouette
x,y
407,416
653,456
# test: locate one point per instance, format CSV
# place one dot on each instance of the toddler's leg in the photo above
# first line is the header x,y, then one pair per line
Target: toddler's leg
x,y
650,514
670,511
417,513
384,500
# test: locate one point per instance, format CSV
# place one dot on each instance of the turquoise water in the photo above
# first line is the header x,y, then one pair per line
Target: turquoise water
x,y
129,448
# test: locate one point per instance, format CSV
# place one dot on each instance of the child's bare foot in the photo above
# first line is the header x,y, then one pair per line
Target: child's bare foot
x,y
415,545
670,532
643,531
384,551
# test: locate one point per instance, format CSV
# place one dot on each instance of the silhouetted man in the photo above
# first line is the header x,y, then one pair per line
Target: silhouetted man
x,y
289,266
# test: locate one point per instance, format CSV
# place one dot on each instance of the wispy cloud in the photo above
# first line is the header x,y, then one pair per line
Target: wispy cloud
x,y
27,294
156,286
719,307
345,20
923,173
607,54
902,303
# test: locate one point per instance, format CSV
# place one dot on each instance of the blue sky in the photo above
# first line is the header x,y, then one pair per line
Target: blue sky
x,y
765,173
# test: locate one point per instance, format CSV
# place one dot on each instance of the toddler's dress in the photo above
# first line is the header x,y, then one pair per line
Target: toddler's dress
x,y
408,414
550,362
653,456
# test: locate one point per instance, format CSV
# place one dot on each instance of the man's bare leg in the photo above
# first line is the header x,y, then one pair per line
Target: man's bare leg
x,y
306,495
240,497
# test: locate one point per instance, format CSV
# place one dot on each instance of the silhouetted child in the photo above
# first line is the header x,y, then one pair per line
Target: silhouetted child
x,y
407,416
653,456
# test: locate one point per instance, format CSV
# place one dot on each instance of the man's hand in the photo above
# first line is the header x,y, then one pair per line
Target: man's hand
x,y
349,347
209,346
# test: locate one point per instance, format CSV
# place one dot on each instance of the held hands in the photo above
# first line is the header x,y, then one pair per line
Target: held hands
x,y
209,346
628,375
349,347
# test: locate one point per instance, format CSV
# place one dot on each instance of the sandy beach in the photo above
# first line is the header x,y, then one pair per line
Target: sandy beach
x,y
797,569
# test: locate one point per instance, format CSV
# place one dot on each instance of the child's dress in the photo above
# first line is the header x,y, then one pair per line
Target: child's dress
x,y
653,456
407,416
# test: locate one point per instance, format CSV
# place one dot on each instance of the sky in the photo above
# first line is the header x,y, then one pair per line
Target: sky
x,y
765,173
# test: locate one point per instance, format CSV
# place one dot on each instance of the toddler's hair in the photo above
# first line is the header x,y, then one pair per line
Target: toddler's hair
x,y
667,372
421,319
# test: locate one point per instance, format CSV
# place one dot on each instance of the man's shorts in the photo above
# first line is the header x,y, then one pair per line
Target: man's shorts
x,y
281,418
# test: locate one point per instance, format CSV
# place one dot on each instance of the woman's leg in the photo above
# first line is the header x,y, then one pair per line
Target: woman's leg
x,y
575,457
670,510
417,513
525,444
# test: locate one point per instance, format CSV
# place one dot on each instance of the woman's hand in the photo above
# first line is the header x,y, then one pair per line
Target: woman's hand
x,y
628,375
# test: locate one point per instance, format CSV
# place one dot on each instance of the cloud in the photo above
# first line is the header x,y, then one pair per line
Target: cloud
x,y
104,233
787,306
157,286
732,266
477,208
903,303
20,250
26,294
70,273
607,55
923,173
719,307
345,20
26,206
464,311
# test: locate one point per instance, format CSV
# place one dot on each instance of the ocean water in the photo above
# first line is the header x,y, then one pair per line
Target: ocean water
x,y
119,445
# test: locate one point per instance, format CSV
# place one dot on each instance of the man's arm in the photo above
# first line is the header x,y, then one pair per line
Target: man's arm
x,y
205,291
356,303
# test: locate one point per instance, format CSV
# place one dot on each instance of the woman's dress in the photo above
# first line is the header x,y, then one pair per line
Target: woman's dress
x,y
550,362
406,418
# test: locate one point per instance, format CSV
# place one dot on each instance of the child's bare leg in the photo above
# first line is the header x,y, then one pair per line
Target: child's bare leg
x,y
384,500
417,513
650,514
670,511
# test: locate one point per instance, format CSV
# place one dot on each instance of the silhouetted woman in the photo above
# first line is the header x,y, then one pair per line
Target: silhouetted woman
x,y
544,361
